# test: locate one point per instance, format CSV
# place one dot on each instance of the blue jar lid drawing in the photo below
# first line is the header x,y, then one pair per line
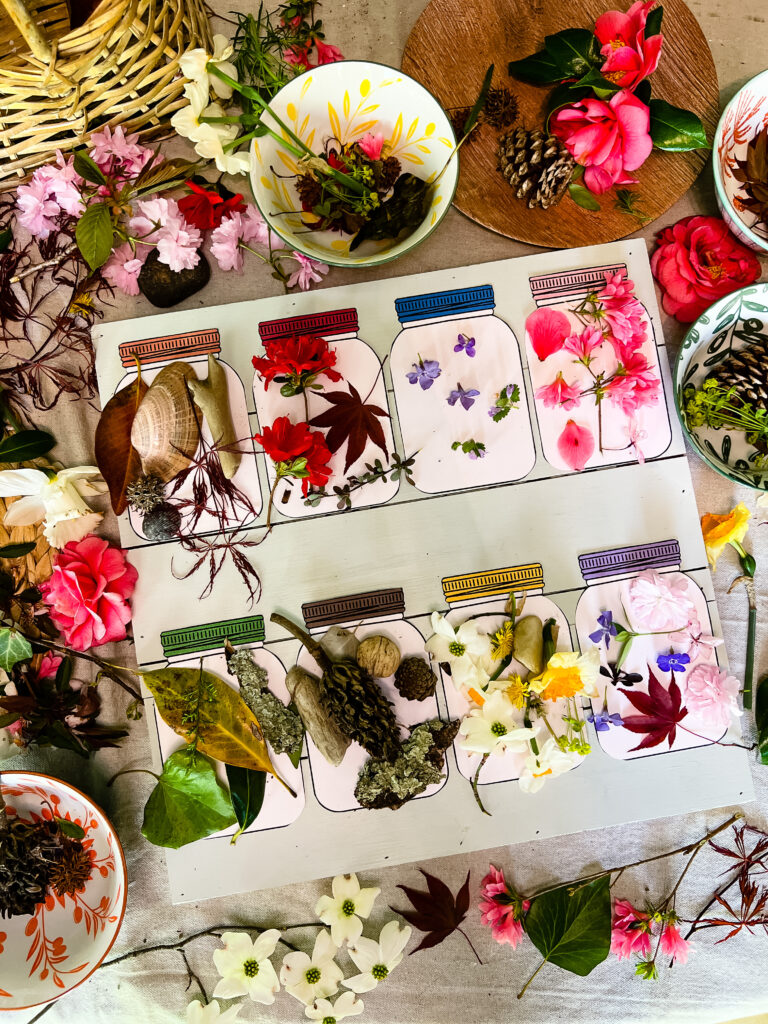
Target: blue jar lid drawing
x,y
435,304
190,640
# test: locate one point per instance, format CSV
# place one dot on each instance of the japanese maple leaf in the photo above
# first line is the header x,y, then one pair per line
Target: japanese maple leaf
x,y
436,911
745,859
350,419
752,913
661,711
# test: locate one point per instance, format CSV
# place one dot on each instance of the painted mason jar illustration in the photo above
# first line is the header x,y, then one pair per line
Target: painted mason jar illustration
x,y
595,370
481,597
195,349
375,613
341,374
651,623
193,646
459,391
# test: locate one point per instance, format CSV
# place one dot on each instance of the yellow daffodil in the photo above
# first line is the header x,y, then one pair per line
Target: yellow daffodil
x,y
721,530
568,674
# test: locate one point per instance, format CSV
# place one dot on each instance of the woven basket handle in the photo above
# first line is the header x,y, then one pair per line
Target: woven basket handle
x,y
25,23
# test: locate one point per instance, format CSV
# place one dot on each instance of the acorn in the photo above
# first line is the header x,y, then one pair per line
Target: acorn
x,y
379,656
414,679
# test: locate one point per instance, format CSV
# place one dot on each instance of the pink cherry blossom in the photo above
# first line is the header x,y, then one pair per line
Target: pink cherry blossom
x,y
634,385
225,243
372,145
559,394
630,57
309,270
658,602
64,184
501,908
150,216
547,330
177,245
693,640
711,695
673,944
576,445
37,209
584,344
118,153
630,931
123,267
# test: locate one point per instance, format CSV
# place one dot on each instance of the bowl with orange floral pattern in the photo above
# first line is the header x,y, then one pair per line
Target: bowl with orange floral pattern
x,y
46,954
342,103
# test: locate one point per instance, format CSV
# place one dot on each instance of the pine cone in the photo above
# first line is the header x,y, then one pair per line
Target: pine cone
x,y
390,172
360,709
414,679
145,493
536,165
746,371
310,191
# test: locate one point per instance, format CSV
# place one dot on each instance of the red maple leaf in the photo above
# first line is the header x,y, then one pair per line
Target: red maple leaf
x,y
436,912
350,419
752,912
661,712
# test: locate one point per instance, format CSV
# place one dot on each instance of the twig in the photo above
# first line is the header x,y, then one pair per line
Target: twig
x,y
54,261
483,759
470,945
106,667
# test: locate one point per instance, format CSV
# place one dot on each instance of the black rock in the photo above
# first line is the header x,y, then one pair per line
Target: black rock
x,y
165,287
162,522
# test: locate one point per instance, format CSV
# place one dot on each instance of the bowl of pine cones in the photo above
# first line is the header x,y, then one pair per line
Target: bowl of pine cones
x,y
721,386
62,888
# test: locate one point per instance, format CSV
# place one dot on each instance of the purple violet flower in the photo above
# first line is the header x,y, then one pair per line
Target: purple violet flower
x,y
425,373
673,662
602,721
465,344
606,631
465,396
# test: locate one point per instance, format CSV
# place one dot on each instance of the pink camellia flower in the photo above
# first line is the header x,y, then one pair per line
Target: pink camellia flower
x,y
502,909
327,53
372,144
576,445
659,603
88,591
630,57
584,344
634,385
630,931
698,261
673,944
547,329
693,641
559,393
123,267
309,270
711,695
607,138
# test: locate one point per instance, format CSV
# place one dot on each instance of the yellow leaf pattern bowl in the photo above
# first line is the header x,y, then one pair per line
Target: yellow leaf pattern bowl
x,y
345,101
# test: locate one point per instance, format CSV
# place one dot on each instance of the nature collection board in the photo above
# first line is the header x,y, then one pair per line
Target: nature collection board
x,y
475,523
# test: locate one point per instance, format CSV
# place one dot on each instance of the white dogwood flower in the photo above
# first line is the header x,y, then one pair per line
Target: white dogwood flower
x,y
56,499
549,762
310,978
377,960
343,910
245,967
211,1013
347,1005
466,650
494,728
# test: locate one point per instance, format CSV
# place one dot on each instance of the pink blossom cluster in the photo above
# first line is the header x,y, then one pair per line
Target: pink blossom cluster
x,y
119,155
632,932
502,910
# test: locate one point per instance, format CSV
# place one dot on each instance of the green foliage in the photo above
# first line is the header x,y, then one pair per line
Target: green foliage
x,y
538,69
188,803
402,212
95,234
653,22
627,202
6,237
246,790
582,197
25,445
761,718
675,129
14,647
476,110
574,51
17,550
572,931
88,168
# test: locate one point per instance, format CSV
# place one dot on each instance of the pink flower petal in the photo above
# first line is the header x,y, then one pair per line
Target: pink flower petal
x,y
576,445
547,330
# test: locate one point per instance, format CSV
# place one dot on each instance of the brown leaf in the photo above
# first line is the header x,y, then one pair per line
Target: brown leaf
x,y
351,420
436,911
117,459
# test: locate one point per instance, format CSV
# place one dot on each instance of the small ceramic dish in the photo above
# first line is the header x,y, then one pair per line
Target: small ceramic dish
x,y
727,326
47,954
742,119
345,101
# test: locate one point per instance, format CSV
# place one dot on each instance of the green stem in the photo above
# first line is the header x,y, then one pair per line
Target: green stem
x,y
522,991
475,790
750,664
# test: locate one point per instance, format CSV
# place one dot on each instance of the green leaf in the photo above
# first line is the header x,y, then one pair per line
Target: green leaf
x,y
582,197
246,790
17,550
63,674
643,92
538,69
70,828
653,22
6,237
574,51
625,647
8,719
25,445
572,931
95,234
188,803
87,168
13,647
563,96
674,129
761,718
600,86
474,113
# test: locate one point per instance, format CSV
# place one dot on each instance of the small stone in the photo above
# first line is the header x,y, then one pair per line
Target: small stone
x,y
338,642
379,656
165,287
162,522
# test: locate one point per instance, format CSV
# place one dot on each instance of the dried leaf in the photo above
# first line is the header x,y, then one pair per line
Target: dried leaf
x,y
350,419
117,459
436,911
661,711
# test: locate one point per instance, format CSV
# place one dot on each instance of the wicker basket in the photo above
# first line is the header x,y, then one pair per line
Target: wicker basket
x,y
120,67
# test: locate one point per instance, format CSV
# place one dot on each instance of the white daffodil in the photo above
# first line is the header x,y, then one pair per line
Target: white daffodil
x,y
211,139
549,762
186,121
569,674
465,649
199,1014
57,500
377,960
245,967
347,1005
494,728
194,66
310,978
343,910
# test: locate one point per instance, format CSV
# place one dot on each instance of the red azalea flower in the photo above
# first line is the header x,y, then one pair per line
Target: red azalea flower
x,y
300,358
205,208
286,442
327,53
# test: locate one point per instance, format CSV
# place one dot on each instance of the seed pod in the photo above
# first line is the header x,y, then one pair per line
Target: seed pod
x,y
379,656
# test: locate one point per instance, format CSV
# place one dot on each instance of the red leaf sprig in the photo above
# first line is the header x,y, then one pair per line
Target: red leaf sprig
x,y
436,911
661,709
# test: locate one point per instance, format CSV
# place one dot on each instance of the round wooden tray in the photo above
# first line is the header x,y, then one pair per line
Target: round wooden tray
x,y
449,50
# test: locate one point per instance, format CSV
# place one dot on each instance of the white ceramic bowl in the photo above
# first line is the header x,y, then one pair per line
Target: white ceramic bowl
x,y
346,100
47,954
742,119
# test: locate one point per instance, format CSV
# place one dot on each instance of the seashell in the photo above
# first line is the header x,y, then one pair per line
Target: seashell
x,y
165,430
379,656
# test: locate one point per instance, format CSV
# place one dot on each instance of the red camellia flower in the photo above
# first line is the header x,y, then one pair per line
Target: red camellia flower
x,y
301,359
88,592
205,208
286,442
630,57
697,261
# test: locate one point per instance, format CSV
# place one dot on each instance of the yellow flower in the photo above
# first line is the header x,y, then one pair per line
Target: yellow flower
x,y
568,674
516,691
503,641
721,530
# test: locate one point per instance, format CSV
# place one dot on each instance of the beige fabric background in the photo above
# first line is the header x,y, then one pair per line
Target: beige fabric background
x,y
444,985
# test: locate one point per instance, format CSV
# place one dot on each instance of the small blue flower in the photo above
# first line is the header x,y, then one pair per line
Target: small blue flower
x,y
465,396
425,373
465,344
606,631
602,721
673,662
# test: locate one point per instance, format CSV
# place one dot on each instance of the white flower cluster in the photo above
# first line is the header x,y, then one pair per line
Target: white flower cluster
x,y
56,498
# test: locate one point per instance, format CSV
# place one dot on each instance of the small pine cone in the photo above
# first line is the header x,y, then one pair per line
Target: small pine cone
x,y
500,110
538,166
414,679
144,493
310,191
390,172
746,371
360,709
